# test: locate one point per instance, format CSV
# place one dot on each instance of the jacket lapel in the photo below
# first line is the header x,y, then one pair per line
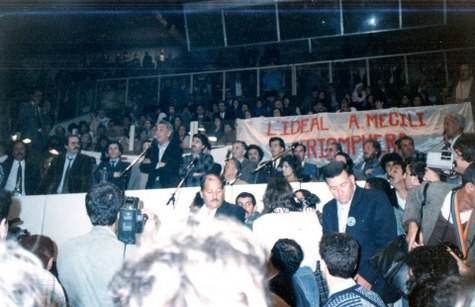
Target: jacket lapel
x,y
353,214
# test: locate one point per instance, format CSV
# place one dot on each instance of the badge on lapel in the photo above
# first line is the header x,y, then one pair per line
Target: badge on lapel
x,y
351,221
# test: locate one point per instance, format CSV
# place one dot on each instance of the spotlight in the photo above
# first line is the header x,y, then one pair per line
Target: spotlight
x,y
201,129
372,21
15,136
212,139
26,141
54,152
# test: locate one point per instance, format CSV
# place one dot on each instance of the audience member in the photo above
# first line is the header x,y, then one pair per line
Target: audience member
x,y
254,153
454,125
370,166
407,150
212,192
239,152
111,170
232,172
247,201
340,254
21,175
207,263
70,172
86,264
291,169
309,170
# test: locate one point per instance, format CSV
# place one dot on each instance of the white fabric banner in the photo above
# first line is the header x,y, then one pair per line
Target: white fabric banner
x,y
351,129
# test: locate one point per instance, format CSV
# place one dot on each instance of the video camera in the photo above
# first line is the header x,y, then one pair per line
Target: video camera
x,y
131,220
441,160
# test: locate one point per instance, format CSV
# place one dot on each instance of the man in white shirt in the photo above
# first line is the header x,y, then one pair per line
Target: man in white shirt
x,y
20,176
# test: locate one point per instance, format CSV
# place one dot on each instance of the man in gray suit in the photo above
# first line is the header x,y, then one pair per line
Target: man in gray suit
x,y
437,217
239,149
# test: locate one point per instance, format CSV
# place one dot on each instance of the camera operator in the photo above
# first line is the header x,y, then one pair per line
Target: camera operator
x,y
87,263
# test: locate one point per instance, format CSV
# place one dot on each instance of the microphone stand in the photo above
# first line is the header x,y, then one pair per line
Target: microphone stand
x,y
265,163
133,163
189,167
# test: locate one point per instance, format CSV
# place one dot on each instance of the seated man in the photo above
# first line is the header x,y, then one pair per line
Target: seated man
x,y
111,169
247,201
339,253
232,172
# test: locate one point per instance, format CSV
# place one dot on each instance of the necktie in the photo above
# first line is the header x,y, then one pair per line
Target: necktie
x,y
66,176
113,163
19,181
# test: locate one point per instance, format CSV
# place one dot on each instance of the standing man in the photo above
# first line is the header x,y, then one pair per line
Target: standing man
x,y
310,171
70,172
21,176
30,120
365,215
212,192
111,169
163,159
465,89
239,149
198,163
454,124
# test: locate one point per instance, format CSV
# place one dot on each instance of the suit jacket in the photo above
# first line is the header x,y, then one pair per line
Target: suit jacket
x,y
29,123
80,175
247,167
231,211
374,229
268,172
32,175
435,196
106,170
310,172
167,176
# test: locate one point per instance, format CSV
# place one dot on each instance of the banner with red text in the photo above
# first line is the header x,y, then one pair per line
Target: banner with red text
x,y
351,129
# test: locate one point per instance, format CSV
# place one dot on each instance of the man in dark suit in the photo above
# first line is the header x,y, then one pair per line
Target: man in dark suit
x,y
365,215
212,192
310,171
239,149
111,169
277,148
163,159
70,172
30,122
21,175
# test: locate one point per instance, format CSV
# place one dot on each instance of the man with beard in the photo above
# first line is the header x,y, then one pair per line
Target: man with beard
x,y
198,163
21,176
370,166
70,172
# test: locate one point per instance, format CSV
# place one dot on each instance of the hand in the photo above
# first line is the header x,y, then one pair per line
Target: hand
x,y
146,161
363,282
464,267
116,174
161,164
411,239
149,234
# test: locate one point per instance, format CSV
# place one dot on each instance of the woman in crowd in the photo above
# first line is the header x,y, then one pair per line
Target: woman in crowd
x,y
291,169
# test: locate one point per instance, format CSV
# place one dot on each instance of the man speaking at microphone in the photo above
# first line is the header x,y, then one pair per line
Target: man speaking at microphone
x,y
197,164
163,159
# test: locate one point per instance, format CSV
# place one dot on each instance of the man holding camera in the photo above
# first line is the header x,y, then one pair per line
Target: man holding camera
x,y
87,263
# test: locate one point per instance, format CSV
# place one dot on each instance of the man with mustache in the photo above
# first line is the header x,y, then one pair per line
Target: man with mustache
x,y
198,163
21,176
70,172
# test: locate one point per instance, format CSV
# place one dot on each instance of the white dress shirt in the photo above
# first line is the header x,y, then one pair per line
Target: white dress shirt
x,y
11,181
343,211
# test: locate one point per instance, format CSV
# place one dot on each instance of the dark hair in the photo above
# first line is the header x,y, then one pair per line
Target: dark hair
x,y
334,168
466,145
339,147
418,168
247,195
103,202
294,163
376,146
286,256
296,144
402,164
340,253
311,200
259,150
43,247
242,143
389,157
71,136
349,162
430,261
403,138
203,138
278,194
436,291
5,203
469,174
381,184
121,148
206,177
277,139
198,201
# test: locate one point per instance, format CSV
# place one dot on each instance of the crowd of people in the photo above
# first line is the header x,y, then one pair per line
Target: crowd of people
x,y
291,253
